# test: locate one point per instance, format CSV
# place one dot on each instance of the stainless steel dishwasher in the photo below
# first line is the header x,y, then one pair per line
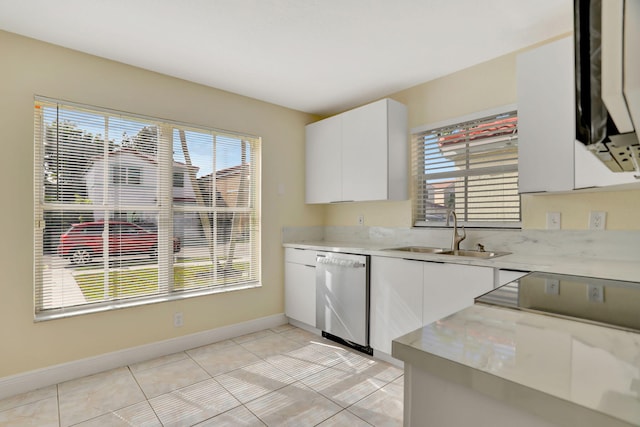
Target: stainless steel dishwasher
x,y
342,298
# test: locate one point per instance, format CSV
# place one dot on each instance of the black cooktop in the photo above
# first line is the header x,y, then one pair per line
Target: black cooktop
x,y
612,303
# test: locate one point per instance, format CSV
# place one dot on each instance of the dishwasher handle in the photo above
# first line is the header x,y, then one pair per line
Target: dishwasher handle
x,y
340,262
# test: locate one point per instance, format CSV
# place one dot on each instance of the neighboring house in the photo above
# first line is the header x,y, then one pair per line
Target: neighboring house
x,y
488,147
231,192
441,197
227,186
132,179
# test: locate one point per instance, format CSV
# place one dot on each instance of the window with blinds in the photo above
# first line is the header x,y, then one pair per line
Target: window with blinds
x,y
132,210
470,167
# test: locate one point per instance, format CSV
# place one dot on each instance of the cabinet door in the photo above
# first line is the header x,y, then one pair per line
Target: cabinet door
x,y
546,118
449,288
324,161
549,157
364,153
396,300
300,292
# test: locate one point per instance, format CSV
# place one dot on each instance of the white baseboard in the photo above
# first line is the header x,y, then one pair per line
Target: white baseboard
x,y
33,380
304,326
388,358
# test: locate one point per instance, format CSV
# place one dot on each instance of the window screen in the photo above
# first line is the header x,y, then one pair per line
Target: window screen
x,y
470,167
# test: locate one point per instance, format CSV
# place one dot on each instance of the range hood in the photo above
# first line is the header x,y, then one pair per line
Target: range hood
x,y
607,54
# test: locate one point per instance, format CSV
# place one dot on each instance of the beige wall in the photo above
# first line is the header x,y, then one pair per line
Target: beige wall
x,y
622,209
30,67
482,87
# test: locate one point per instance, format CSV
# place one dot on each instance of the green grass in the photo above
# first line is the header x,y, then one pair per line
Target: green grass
x,y
144,281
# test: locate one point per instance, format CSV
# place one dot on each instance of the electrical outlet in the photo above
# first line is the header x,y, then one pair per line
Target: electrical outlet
x,y
552,286
178,320
597,220
360,219
595,293
553,220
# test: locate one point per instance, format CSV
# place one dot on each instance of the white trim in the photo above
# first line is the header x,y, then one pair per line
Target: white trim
x,y
33,380
53,314
304,326
463,119
381,355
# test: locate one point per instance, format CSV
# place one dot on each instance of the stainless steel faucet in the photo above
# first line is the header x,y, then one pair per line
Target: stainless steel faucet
x,y
457,238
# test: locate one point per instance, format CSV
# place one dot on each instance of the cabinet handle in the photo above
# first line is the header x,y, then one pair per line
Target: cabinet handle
x,y
347,263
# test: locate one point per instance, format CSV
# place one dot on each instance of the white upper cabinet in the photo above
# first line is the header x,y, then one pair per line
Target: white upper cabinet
x,y
550,158
324,160
359,155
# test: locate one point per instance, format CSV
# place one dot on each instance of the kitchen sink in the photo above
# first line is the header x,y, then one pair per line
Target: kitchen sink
x,y
474,254
419,249
441,251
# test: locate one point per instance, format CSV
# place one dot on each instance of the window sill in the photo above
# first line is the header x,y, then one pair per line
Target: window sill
x,y
116,305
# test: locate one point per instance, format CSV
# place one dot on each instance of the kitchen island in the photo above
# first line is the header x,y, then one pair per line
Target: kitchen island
x,y
492,366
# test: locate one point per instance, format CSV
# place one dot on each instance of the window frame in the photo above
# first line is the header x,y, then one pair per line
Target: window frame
x,y
415,176
165,207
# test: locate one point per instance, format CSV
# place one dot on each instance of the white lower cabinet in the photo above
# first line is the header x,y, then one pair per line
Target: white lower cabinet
x,y
449,288
396,300
300,285
405,295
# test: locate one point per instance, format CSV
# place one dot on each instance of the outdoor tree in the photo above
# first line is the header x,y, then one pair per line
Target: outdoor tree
x,y
68,152
145,141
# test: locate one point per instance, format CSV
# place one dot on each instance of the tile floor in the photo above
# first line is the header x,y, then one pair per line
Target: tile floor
x,y
283,376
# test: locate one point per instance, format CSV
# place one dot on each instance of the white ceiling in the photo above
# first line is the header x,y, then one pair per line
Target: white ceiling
x,y
317,56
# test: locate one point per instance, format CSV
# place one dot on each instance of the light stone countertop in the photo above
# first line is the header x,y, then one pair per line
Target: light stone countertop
x,y
628,270
562,367
569,372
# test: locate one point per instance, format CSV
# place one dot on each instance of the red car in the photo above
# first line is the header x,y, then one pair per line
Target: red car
x,y
83,241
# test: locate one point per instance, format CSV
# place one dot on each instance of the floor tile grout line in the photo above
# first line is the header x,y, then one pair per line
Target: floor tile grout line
x,y
244,404
144,394
156,358
28,403
348,406
356,415
58,401
342,356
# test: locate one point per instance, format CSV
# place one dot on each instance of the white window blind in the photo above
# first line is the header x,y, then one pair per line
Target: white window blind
x,y
469,167
132,210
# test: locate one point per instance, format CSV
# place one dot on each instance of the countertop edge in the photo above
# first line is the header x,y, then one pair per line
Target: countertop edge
x,y
599,268
517,395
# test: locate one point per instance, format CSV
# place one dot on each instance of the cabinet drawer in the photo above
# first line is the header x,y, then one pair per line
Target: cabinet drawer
x,y
300,256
